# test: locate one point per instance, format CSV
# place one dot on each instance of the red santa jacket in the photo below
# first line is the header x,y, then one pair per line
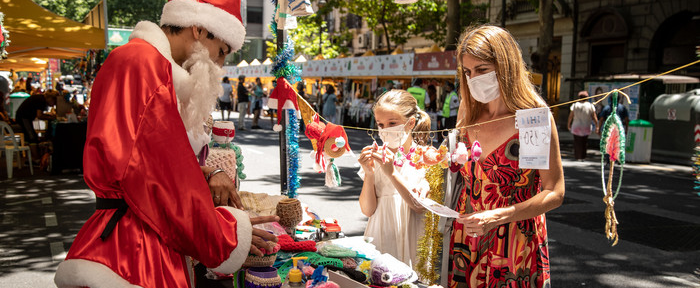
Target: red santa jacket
x,y
137,150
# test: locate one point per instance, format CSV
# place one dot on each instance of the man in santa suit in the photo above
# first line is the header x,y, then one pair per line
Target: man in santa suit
x,y
154,201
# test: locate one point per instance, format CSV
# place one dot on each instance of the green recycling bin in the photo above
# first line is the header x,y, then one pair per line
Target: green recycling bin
x,y
639,141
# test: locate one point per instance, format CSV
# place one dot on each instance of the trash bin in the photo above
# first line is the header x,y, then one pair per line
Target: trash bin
x,y
639,141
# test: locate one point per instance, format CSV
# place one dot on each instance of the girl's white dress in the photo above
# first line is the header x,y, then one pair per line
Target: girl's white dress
x,y
394,227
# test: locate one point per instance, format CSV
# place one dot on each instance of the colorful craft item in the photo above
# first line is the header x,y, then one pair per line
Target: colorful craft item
x,y
262,277
331,142
290,213
4,35
386,270
611,143
476,150
267,260
444,157
431,156
384,147
399,157
461,154
223,132
287,244
282,97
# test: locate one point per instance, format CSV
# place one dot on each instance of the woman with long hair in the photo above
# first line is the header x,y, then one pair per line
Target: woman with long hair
x,y
501,235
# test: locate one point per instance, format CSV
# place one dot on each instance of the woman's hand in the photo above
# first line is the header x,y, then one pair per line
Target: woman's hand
x,y
366,161
223,189
262,238
478,223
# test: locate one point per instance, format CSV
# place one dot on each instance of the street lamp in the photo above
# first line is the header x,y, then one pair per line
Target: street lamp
x,y
321,3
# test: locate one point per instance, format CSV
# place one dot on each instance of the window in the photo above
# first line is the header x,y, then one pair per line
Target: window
x,y
255,14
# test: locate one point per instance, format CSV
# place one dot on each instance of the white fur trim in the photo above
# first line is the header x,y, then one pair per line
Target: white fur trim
x,y
277,128
244,233
151,33
187,13
84,273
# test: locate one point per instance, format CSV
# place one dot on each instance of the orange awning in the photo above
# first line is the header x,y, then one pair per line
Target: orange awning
x,y
37,32
24,64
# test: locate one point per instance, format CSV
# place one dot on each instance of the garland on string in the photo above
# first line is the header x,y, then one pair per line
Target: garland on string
x,y
4,37
292,133
612,143
430,245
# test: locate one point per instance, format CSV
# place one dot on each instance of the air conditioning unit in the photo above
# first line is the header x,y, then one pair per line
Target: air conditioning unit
x,y
362,40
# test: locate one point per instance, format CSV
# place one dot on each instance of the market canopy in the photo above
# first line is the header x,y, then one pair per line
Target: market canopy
x,y
37,32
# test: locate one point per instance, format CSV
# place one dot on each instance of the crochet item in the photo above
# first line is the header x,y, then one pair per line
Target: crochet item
x,y
612,143
332,250
385,270
289,211
262,277
313,258
224,159
349,263
260,203
287,244
267,260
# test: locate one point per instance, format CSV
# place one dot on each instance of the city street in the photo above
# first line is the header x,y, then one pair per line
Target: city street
x,y
657,208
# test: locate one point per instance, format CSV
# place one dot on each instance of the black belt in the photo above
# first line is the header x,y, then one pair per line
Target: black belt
x,y
105,203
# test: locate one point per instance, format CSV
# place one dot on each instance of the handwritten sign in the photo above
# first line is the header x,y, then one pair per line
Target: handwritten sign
x,y
535,136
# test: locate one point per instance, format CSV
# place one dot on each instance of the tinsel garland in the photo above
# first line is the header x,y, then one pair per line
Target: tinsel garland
x,y
292,133
283,65
612,143
430,245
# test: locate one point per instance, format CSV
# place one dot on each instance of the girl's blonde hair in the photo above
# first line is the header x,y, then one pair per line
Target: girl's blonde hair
x,y
403,103
495,45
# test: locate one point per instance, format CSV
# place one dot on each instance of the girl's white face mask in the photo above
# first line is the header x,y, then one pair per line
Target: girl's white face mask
x,y
484,88
394,136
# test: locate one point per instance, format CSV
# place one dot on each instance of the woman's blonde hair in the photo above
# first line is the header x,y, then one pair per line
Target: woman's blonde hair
x,y
403,103
495,45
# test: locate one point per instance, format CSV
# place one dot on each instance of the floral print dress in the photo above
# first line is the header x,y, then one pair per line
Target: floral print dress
x,y
513,254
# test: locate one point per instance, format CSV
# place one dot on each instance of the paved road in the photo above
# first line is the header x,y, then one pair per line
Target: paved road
x,y
658,211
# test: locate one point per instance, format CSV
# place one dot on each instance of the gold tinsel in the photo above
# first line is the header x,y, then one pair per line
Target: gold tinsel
x,y
430,245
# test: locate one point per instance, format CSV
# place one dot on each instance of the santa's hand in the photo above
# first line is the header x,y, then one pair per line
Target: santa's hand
x,y
222,188
262,238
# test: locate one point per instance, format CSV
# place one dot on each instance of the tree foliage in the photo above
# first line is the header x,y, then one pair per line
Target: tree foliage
x,y
120,13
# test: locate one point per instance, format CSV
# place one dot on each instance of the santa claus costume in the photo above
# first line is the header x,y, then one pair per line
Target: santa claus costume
x,y
153,202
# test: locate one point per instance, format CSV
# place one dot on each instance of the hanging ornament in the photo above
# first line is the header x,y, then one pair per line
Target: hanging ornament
x,y
612,145
331,142
4,37
476,150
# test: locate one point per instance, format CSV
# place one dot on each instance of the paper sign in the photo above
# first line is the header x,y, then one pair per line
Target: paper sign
x,y
437,208
535,136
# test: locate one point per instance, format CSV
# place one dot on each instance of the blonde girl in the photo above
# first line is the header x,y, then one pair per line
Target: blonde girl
x,y
395,219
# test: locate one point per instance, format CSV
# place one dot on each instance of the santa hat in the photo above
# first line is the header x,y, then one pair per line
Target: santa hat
x,y
282,97
220,17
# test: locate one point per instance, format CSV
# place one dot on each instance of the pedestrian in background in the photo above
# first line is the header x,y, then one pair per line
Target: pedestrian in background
x,y
501,233
580,118
243,101
225,99
329,100
257,103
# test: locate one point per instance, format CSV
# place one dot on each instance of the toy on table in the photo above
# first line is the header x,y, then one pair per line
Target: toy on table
x,y
319,279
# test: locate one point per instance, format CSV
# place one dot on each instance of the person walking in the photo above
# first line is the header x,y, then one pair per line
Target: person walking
x,y
225,99
581,115
258,95
243,102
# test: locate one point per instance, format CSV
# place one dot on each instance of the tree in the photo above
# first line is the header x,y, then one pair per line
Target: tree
x,y
545,41
120,13
384,17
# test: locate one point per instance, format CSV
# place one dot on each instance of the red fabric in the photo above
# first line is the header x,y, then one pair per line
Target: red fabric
x,y
287,244
283,92
331,132
223,132
137,149
233,7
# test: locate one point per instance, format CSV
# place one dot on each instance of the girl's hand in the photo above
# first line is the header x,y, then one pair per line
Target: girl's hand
x,y
366,160
386,161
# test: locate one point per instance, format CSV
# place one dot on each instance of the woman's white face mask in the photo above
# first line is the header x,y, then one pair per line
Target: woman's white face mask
x,y
394,136
484,88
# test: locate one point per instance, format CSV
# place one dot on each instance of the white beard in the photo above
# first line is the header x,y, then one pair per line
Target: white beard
x,y
197,93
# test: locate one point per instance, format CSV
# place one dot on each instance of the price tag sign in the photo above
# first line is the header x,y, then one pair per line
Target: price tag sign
x,y
535,135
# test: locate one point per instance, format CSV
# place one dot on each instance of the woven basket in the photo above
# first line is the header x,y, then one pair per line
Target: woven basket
x,y
289,211
260,261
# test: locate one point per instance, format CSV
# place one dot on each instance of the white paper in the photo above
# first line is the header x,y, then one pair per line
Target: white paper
x,y
535,136
437,208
